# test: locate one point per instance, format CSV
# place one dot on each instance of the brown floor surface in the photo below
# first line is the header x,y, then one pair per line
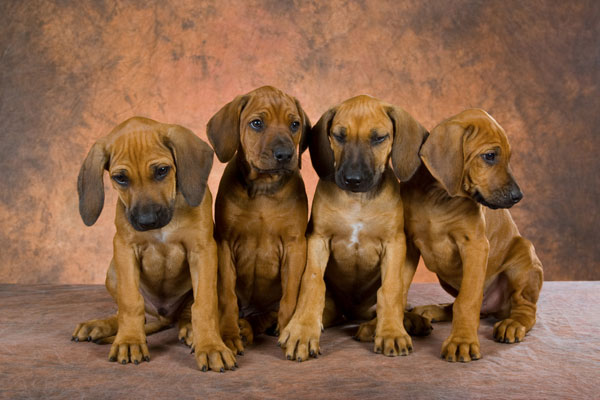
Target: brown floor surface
x,y
560,358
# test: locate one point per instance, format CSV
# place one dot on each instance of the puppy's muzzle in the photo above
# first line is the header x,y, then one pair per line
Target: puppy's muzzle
x,y
283,154
506,197
149,216
356,178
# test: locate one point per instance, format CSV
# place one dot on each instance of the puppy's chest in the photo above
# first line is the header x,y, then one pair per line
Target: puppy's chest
x,y
162,261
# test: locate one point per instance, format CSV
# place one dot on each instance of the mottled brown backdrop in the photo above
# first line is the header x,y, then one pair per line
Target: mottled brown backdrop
x,y
71,70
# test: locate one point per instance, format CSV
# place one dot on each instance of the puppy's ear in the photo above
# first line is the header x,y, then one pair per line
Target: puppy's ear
x,y
444,157
223,129
408,138
193,162
90,185
305,132
321,154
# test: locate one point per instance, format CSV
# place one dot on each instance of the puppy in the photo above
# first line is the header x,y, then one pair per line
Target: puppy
x,y
164,252
261,211
456,218
356,242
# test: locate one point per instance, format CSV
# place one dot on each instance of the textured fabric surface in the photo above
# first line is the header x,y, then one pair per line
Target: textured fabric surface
x,y
560,357
71,70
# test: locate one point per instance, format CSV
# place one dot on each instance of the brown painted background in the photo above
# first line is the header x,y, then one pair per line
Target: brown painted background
x,y
70,71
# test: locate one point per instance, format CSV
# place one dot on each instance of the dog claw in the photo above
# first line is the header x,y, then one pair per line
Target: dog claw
x,y
76,339
240,353
222,370
89,338
136,362
288,357
204,369
112,359
299,359
124,362
147,358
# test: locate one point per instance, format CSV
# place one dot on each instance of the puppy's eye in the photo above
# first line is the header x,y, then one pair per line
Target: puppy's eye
x,y
339,138
121,179
256,124
294,126
161,172
379,139
489,158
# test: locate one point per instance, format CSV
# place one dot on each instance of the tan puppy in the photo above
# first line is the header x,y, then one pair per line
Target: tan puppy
x,y
261,211
356,242
164,252
456,219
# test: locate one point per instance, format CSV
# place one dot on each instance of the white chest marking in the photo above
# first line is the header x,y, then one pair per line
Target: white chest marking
x,y
356,228
161,236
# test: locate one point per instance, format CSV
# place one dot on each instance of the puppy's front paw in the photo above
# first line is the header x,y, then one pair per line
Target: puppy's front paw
x,y
391,343
129,349
463,348
214,356
234,342
300,339
509,331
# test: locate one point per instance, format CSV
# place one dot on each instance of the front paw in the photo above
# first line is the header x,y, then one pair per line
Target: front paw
x,y
460,347
509,331
300,339
214,356
129,348
391,344
186,333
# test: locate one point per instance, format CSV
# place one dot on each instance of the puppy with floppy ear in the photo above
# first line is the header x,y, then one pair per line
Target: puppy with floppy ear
x,y
164,252
356,242
261,211
470,241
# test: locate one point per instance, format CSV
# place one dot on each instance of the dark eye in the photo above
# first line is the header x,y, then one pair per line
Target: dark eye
x,y
256,124
121,179
379,139
161,172
340,138
489,158
294,126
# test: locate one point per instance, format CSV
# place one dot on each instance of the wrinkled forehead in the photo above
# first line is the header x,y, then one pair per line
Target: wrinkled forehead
x,y
487,132
270,105
138,147
362,115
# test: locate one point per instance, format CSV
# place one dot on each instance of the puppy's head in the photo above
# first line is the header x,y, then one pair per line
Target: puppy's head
x,y
268,126
469,155
148,163
352,143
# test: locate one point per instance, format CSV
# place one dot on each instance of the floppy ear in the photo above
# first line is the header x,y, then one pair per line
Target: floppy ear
x,y
408,138
193,162
305,132
443,155
321,154
90,185
223,129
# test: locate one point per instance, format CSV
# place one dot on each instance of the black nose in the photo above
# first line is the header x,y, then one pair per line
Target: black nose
x,y
283,154
147,220
352,179
516,195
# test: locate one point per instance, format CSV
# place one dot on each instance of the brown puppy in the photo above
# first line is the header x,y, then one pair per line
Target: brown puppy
x,y
164,252
456,218
261,211
356,242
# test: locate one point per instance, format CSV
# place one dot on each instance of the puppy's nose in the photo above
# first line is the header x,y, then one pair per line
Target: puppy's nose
x,y
283,154
516,195
147,220
352,179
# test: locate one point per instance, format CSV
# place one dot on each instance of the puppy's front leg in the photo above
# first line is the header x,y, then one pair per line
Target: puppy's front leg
x,y
291,274
210,350
130,342
391,337
463,344
300,338
228,303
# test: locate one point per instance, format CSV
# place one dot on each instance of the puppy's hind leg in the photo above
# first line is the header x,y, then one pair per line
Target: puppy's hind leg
x,y
525,277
